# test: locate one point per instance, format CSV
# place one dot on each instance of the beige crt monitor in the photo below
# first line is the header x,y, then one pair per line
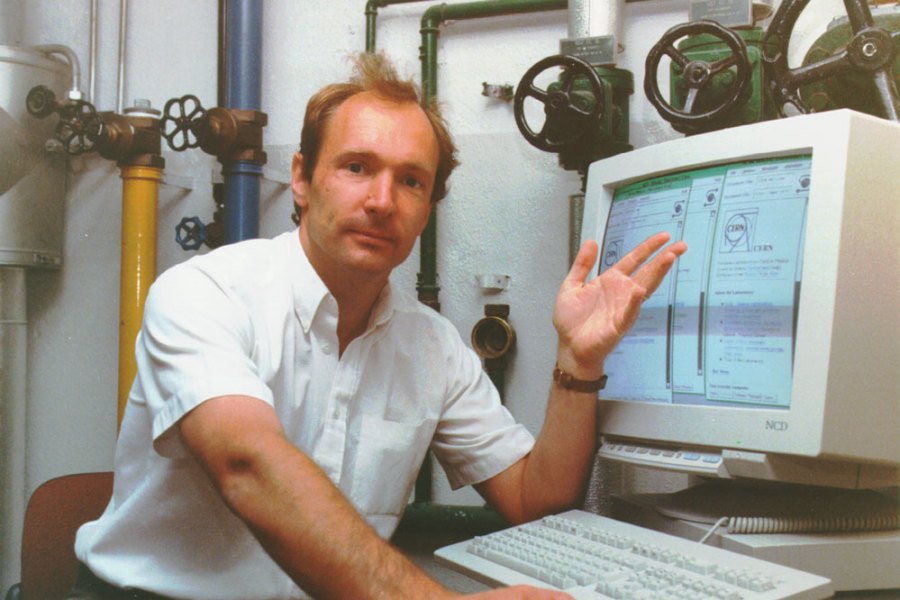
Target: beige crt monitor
x,y
775,343
769,358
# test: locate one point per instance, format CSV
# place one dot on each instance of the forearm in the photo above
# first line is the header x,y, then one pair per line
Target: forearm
x,y
557,470
299,517
316,536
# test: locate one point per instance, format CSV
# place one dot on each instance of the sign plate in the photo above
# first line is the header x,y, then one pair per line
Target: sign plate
x,y
730,13
599,50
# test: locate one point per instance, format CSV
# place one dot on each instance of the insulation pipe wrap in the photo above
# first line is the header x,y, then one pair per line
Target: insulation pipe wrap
x,y
13,365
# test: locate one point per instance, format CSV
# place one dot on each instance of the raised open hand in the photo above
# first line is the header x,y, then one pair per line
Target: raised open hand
x,y
591,317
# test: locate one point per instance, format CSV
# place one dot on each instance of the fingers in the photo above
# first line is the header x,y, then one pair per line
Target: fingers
x,y
651,275
634,259
584,262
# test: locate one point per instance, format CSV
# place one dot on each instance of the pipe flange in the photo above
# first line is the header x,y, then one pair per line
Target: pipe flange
x,y
493,337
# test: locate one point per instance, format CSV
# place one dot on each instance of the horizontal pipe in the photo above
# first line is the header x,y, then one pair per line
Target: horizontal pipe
x,y
372,7
436,15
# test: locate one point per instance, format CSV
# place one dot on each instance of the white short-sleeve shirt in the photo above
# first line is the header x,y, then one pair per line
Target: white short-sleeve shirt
x,y
255,319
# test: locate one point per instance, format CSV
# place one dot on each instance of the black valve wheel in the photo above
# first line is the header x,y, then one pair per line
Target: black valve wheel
x,y
698,75
190,233
79,127
181,120
870,50
568,115
40,102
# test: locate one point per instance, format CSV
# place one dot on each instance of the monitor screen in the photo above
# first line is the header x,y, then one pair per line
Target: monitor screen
x,y
720,331
770,350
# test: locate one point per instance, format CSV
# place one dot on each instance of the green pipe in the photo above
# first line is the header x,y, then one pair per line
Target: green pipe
x,y
427,280
436,15
460,522
432,19
372,7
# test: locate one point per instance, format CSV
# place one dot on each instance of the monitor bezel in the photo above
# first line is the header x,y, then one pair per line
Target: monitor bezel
x,y
804,428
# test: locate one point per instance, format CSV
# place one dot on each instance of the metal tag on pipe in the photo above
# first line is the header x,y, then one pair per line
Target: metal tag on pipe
x,y
600,50
729,13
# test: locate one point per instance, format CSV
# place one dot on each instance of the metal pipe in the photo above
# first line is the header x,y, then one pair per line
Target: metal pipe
x,y
592,18
13,424
432,19
92,77
243,90
140,194
427,285
123,28
372,7
72,58
242,184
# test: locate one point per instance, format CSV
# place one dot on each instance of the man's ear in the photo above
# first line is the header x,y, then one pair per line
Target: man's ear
x,y
299,185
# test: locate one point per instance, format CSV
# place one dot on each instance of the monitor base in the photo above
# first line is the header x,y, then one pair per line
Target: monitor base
x,y
852,560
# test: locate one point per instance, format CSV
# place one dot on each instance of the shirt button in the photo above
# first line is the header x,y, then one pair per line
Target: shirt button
x,y
326,348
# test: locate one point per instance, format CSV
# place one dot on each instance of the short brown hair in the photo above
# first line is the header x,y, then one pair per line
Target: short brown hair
x,y
374,73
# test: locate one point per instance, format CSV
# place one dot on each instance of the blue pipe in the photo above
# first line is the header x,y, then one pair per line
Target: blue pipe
x,y
243,88
242,178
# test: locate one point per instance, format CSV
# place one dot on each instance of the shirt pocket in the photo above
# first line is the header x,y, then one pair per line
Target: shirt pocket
x,y
388,457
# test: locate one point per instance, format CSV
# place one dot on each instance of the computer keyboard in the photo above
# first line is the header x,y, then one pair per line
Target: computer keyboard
x,y
594,557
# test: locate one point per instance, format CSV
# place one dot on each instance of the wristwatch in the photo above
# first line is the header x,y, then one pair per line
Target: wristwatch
x,y
566,381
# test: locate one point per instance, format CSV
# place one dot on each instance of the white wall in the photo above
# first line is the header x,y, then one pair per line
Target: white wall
x,y
507,212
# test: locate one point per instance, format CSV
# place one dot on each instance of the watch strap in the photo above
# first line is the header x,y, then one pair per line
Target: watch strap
x,y
567,381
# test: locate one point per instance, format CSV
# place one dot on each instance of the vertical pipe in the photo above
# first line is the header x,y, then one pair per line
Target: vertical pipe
x,y
13,365
427,286
372,7
140,193
243,87
123,29
92,77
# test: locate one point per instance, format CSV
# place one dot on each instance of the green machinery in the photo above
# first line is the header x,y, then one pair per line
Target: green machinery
x,y
586,110
855,64
716,77
722,77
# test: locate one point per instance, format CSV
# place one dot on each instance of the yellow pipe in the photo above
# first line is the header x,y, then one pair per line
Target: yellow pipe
x,y
140,192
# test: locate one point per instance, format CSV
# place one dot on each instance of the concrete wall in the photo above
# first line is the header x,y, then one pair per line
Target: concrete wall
x,y
507,212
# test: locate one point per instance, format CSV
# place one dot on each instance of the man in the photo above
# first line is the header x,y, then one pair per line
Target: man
x,y
287,392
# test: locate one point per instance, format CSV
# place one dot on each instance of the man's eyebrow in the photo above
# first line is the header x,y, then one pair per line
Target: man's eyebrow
x,y
411,165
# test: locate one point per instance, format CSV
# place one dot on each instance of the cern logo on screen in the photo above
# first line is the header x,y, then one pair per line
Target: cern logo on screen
x,y
737,234
611,253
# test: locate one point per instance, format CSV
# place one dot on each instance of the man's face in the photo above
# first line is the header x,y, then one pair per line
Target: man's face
x,y
370,193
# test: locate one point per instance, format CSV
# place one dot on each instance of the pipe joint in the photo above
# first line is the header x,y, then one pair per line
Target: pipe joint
x,y
233,134
131,140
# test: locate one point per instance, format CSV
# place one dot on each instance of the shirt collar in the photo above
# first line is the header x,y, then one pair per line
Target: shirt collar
x,y
308,288
310,291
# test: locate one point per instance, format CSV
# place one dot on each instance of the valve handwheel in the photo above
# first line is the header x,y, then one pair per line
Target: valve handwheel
x,y
79,126
698,75
870,50
180,122
568,119
190,233
40,102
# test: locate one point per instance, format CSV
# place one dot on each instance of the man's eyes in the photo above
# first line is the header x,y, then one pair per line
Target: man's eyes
x,y
356,167
413,182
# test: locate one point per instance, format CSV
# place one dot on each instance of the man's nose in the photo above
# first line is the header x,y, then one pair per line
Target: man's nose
x,y
381,195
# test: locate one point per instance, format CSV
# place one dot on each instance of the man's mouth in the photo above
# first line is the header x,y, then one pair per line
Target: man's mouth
x,y
373,235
